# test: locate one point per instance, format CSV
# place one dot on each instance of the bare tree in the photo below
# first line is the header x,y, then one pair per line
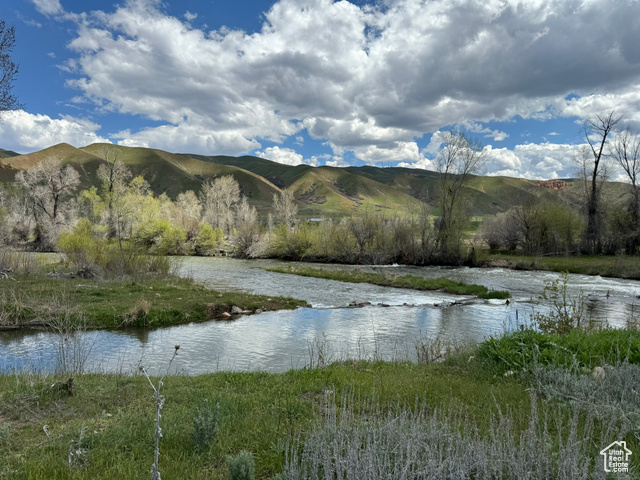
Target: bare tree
x,y
364,228
596,132
285,208
115,177
626,153
459,158
8,68
219,199
190,211
249,232
49,186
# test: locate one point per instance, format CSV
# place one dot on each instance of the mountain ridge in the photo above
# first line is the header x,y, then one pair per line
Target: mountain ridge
x,y
320,191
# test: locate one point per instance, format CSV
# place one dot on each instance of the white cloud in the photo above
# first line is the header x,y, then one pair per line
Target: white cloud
x,y
393,152
48,7
475,127
365,79
188,138
501,159
547,160
25,132
285,156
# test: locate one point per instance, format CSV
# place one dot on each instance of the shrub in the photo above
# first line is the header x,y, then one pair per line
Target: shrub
x,y
208,240
423,443
5,433
528,348
566,313
205,426
242,466
82,247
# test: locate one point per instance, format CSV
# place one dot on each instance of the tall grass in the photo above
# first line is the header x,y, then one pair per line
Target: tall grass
x,y
15,262
419,442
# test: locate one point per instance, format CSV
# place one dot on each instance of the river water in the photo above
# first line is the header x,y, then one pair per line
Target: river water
x,y
329,330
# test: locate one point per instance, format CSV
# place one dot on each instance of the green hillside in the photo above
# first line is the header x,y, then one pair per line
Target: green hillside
x,y
321,191
7,153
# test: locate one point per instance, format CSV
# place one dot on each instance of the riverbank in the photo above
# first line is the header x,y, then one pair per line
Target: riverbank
x,y
40,300
395,281
471,404
618,266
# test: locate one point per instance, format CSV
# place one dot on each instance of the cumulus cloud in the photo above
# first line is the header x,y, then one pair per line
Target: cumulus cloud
x,y
25,132
48,7
368,79
535,161
285,156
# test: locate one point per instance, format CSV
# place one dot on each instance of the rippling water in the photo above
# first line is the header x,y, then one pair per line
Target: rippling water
x,y
278,341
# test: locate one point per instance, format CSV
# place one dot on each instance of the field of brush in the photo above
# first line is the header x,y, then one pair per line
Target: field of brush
x,y
527,405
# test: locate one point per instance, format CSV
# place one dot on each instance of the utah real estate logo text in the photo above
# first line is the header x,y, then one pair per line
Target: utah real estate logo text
x,y
616,457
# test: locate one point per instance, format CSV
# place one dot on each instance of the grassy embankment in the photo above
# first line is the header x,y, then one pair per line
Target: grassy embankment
x,y
618,266
396,281
493,408
29,296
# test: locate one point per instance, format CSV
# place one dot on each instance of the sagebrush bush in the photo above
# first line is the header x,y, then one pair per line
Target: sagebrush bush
x,y
5,433
242,466
424,443
205,425
612,395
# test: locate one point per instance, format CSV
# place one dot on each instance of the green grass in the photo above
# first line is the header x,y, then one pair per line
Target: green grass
x,y
259,412
520,351
618,266
153,302
404,281
262,413
111,416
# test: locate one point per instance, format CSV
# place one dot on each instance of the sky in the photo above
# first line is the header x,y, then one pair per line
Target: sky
x,y
325,82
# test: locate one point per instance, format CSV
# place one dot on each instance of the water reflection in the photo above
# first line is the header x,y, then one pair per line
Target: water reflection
x,y
278,341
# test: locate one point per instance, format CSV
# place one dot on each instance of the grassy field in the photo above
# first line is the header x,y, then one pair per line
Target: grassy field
x,y
619,266
39,299
350,413
404,281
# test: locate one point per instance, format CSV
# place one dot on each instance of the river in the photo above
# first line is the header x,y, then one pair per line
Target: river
x,y
330,330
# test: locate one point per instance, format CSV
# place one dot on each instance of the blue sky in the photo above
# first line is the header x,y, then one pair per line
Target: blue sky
x,y
325,82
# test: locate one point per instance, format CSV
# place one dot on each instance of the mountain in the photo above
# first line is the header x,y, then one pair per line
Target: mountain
x,y
7,153
321,191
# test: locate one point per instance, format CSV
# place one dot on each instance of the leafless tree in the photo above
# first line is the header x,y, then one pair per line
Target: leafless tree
x,y
49,186
364,228
115,177
249,232
285,208
189,212
626,152
8,68
596,132
219,199
459,158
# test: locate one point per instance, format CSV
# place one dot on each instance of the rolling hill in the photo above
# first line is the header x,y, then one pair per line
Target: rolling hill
x,y
321,191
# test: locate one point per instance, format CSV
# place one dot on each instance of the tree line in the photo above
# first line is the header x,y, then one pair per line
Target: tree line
x,y
46,209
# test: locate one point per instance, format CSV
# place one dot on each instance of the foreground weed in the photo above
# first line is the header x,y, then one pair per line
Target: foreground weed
x,y
78,453
424,443
242,466
607,392
155,472
5,433
566,312
205,426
